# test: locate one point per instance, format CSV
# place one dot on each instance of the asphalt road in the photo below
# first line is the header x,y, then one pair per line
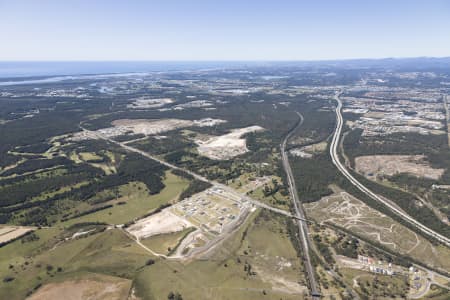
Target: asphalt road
x,y
301,223
365,190
195,175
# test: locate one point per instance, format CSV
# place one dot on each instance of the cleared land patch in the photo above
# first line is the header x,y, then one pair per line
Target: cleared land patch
x,y
53,259
147,127
257,262
145,102
310,150
345,211
213,214
143,127
374,165
226,146
10,233
100,287
161,223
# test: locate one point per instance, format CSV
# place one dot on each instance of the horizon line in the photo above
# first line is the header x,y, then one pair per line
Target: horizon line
x,y
232,60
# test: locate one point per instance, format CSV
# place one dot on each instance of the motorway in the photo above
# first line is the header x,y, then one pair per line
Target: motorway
x,y
365,190
302,225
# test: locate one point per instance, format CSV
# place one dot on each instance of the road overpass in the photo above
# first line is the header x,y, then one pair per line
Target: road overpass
x,y
305,241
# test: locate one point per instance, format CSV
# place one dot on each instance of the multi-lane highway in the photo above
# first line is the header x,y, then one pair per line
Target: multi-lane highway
x,y
299,215
301,223
365,190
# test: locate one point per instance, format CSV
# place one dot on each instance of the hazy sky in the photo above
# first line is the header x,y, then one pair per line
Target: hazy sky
x,y
222,29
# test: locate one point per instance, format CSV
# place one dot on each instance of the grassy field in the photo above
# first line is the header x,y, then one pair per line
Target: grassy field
x,y
275,200
437,293
85,286
166,243
329,288
138,202
348,212
243,184
47,256
60,190
373,286
91,158
110,252
87,156
244,267
262,244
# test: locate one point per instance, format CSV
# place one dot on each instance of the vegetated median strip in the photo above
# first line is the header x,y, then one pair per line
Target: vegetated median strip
x,y
365,190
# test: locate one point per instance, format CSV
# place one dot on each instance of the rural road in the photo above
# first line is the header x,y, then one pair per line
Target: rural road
x,y
365,190
302,226
431,280
195,175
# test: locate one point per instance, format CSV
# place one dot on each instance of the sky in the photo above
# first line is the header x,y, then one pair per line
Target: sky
x,y
215,30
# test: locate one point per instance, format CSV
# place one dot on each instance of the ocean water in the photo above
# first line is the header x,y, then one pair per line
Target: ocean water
x,y
10,70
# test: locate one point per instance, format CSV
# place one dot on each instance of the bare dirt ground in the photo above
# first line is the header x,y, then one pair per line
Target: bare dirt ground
x,y
300,153
149,127
145,127
215,213
208,122
108,288
144,103
280,283
316,148
348,212
226,146
160,223
9,233
212,214
373,165
194,104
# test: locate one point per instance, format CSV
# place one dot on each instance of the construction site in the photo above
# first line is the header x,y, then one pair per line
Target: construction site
x,y
226,146
145,127
211,215
372,166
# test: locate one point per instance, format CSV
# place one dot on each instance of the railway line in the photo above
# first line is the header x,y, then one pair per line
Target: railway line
x,y
301,219
335,158
195,175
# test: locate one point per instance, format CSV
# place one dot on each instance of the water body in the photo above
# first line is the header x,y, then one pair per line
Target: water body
x,y
22,80
18,73
34,69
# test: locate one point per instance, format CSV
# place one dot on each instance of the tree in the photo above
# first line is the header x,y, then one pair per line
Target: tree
x,y
174,296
